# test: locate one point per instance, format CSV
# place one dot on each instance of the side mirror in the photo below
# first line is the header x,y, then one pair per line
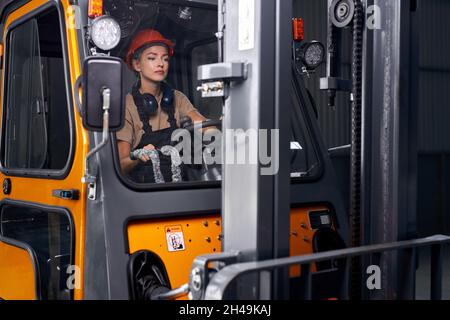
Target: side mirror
x,y
100,73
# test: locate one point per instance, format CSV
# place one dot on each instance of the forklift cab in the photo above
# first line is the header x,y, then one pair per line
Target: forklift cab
x,y
77,226
190,28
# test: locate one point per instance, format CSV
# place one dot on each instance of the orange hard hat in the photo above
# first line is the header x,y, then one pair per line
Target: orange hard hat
x,y
145,37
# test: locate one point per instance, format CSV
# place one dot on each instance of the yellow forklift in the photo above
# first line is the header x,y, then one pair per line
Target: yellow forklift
x,y
73,225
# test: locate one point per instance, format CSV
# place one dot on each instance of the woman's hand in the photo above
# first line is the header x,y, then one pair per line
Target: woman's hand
x,y
124,153
145,158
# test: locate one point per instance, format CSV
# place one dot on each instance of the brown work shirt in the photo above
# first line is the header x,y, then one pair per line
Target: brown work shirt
x,y
133,130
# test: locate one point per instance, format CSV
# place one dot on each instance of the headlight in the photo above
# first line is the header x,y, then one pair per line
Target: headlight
x,y
105,33
312,54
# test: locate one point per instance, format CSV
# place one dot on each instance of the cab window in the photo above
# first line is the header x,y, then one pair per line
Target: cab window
x,y
192,30
49,233
36,121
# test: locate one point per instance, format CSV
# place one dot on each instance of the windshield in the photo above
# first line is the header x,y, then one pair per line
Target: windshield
x,y
150,149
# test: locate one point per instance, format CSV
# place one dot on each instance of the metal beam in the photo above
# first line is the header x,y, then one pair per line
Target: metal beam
x,y
256,205
221,281
389,149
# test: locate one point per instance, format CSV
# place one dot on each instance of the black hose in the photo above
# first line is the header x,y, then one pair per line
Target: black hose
x,y
356,151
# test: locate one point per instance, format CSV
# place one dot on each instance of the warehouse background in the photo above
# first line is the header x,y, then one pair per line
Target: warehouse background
x,y
434,106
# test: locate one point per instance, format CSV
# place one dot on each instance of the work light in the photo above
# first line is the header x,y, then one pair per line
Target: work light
x,y
312,54
105,33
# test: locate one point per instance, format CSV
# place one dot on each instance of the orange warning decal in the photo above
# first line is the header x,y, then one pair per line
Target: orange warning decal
x,y
175,238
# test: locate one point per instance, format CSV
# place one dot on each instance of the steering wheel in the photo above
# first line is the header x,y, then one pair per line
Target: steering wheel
x,y
204,124
207,173
191,128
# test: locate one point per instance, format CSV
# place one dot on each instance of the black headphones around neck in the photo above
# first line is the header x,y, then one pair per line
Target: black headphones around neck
x,y
148,101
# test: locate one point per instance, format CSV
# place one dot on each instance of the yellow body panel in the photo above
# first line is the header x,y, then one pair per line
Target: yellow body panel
x,y
151,235
17,277
202,235
40,190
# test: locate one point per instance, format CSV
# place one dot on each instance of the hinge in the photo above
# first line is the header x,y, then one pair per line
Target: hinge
x,y
91,182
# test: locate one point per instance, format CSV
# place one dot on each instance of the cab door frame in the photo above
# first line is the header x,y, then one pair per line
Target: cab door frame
x,y
40,188
107,253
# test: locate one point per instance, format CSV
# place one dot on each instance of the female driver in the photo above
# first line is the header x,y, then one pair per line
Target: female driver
x,y
153,109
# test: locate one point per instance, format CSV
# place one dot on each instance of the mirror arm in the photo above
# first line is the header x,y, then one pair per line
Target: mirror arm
x,y
106,93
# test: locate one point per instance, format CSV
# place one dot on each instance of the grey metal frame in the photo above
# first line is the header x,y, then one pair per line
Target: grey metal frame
x,y
255,207
389,147
222,281
252,202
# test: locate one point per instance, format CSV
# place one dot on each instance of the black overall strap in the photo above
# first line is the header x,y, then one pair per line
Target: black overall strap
x,y
171,113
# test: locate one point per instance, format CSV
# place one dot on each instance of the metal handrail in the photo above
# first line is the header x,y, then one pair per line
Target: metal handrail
x,y
219,283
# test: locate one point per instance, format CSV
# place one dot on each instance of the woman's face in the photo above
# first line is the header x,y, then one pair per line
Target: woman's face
x,y
153,65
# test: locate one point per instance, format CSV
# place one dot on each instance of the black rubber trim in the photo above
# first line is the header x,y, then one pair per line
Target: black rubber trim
x,y
188,185
8,8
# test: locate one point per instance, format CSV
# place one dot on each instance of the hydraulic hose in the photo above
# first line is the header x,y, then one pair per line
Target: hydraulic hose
x,y
356,150
156,163
176,162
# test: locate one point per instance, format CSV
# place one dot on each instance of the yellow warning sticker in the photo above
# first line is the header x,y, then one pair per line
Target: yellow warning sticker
x,y
175,239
